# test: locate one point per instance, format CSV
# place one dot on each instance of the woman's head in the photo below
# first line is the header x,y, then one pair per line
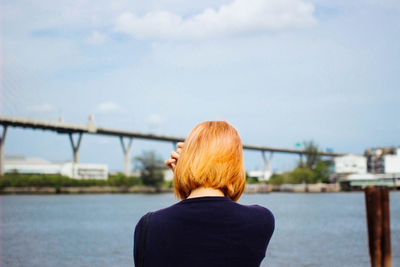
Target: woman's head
x,y
211,157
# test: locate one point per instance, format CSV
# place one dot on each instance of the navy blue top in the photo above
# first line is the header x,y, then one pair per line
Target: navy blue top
x,y
207,231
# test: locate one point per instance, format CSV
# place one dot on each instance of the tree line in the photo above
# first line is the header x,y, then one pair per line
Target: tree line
x,y
313,170
151,168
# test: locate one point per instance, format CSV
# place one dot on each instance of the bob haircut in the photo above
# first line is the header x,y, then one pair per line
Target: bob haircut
x,y
211,157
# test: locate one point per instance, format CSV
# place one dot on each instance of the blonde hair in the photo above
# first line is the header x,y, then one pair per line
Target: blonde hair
x,y
211,157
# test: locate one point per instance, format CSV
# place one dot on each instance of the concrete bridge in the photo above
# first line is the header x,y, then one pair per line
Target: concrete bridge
x,y
126,138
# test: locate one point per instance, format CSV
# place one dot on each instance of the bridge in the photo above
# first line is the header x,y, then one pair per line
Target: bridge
x,y
126,138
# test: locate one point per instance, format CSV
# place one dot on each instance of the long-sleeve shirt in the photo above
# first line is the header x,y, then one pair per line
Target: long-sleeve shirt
x,y
206,232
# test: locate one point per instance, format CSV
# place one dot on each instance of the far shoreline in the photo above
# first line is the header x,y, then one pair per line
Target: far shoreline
x,y
249,189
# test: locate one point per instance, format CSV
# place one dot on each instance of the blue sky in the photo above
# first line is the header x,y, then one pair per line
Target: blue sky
x,y
280,71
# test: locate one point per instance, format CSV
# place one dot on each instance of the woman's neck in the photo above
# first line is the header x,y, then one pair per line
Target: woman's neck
x,y
206,192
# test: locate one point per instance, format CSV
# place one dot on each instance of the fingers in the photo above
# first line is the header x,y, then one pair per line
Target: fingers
x,y
174,155
170,163
180,145
167,162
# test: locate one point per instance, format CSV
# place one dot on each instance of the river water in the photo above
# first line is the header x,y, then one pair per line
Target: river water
x,y
325,229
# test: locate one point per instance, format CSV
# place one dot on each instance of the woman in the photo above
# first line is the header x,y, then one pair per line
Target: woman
x,y
207,227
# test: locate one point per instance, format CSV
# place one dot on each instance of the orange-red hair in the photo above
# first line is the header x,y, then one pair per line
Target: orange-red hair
x,y
211,157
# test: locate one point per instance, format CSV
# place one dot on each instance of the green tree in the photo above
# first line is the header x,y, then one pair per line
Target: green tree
x,y
314,169
121,180
277,179
312,155
321,172
300,175
151,168
251,180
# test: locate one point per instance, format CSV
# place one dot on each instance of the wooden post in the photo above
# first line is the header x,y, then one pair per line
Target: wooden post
x,y
386,246
378,222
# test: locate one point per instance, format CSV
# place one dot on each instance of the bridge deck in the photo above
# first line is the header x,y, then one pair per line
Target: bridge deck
x,y
91,128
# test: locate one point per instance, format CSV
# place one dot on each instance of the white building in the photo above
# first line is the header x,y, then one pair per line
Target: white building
x,y
261,175
383,160
21,164
392,163
350,163
383,166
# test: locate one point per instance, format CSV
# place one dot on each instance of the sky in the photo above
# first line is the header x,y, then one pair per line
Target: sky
x,y
280,71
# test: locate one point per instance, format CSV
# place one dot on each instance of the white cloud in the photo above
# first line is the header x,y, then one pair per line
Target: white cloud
x,y
109,107
239,17
96,38
41,108
154,120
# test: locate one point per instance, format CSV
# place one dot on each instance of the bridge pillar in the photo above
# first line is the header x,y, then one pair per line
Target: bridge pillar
x,y
266,161
127,151
2,141
301,159
174,145
75,147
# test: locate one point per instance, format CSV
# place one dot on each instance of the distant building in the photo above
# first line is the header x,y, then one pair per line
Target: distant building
x,y
260,175
21,164
383,169
350,163
383,160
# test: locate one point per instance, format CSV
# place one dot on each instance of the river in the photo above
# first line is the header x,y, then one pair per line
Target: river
x,y
326,229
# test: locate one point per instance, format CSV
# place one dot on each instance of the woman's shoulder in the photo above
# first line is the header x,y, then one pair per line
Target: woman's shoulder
x,y
156,215
258,214
259,210
213,207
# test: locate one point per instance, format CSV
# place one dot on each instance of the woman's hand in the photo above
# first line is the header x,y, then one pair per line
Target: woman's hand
x,y
171,163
